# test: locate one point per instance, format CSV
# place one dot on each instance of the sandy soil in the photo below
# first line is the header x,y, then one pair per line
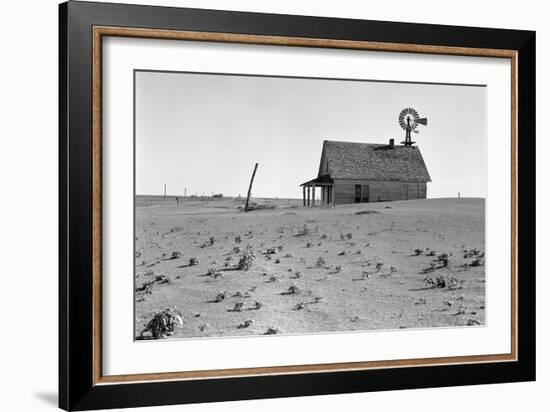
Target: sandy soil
x,y
371,277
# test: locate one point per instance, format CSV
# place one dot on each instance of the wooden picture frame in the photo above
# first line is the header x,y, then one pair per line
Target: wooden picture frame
x,y
82,386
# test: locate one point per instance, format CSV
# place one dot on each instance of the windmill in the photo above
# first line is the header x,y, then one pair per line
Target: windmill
x,y
409,121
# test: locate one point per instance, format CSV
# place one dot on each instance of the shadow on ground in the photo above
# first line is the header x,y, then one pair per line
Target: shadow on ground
x,y
49,398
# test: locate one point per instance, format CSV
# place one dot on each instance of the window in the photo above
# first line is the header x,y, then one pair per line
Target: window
x,y
357,193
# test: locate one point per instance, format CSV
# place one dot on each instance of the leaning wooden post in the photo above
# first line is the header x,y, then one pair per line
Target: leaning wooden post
x,y
250,188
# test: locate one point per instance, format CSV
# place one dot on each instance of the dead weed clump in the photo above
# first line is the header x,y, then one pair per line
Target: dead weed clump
x,y
273,330
435,282
272,279
477,262
246,260
292,290
442,282
238,307
246,324
321,263
174,255
147,287
215,274
220,297
162,324
366,212
300,306
303,232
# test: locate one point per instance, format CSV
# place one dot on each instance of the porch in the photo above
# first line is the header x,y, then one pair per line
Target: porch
x,y
325,184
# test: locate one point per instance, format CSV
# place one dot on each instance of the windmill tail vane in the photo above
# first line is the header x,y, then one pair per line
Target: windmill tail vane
x,y
409,119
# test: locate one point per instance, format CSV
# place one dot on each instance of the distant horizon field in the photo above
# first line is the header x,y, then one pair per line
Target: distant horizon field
x,y
282,198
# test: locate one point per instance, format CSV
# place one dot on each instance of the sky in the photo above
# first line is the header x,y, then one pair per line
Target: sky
x,y
205,132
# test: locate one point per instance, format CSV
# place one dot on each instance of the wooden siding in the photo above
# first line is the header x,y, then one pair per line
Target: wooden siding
x,y
378,191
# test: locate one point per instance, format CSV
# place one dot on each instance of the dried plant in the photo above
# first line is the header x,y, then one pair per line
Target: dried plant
x,y
220,297
238,307
303,232
293,290
320,263
246,324
160,279
240,294
246,260
273,330
300,306
477,262
437,282
443,259
163,323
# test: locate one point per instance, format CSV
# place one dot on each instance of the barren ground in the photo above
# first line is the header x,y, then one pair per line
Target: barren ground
x,y
347,292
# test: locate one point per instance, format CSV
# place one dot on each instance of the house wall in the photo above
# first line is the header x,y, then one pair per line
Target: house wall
x,y
382,191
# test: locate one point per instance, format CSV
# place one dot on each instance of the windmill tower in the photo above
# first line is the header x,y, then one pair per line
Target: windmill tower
x,y
409,121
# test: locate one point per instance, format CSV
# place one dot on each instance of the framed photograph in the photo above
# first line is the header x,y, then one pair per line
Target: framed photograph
x,y
257,205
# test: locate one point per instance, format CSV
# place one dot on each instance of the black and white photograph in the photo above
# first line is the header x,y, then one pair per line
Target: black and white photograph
x,y
287,205
273,206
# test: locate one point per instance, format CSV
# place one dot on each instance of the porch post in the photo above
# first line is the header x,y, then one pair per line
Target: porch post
x,y
313,196
304,194
332,197
308,196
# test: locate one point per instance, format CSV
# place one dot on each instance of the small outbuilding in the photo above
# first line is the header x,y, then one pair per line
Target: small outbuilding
x,y
365,172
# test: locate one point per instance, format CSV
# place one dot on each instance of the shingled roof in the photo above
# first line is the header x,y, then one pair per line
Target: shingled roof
x,y
347,160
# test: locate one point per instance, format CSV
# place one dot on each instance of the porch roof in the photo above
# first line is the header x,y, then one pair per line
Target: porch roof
x,y
324,180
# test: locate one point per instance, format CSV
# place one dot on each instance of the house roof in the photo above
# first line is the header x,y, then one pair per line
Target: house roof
x,y
347,160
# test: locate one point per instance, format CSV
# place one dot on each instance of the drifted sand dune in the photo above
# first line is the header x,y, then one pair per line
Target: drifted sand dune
x,y
315,270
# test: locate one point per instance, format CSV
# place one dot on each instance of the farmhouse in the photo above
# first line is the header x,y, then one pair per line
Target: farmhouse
x,y
365,172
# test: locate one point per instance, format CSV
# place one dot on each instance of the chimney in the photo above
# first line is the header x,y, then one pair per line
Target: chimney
x,y
392,143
